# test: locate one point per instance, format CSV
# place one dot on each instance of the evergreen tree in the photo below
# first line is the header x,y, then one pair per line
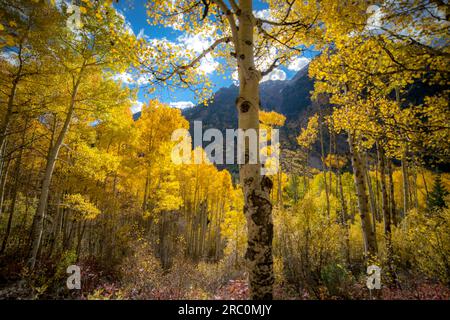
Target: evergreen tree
x,y
436,198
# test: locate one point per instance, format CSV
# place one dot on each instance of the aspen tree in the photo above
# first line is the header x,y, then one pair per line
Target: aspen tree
x,y
247,42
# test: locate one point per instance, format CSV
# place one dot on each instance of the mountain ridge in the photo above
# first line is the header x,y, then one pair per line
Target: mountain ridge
x,y
288,97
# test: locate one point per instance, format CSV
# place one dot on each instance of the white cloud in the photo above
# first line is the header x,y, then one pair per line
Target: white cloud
x,y
126,23
197,43
264,14
143,80
298,63
136,106
375,20
178,22
235,77
132,79
125,77
11,57
276,74
182,104
208,65
266,59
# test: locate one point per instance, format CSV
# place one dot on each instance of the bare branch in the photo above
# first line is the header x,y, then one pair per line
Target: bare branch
x,y
234,6
271,67
206,51
179,70
231,21
206,9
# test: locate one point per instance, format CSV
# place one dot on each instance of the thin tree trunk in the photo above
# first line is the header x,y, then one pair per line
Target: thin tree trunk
x,y
164,240
3,185
12,207
330,167
14,191
405,177
11,98
80,238
373,206
327,196
384,196
38,221
377,190
392,207
280,191
415,193
144,202
344,216
57,226
370,245
68,238
424,182
386,213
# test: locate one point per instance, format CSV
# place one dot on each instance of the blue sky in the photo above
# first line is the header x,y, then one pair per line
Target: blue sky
x,y
136,17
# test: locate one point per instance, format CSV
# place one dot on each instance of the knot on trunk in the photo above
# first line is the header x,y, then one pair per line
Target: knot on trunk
x,y
266,184
245,106
248,181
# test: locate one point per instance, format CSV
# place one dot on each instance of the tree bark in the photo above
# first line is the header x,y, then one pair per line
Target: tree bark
x,y
344,216
386,213
80,237
370,245
256,187
392,207
14,195
279,189
373,204
11,98
322,150
3,184
405,184
38,221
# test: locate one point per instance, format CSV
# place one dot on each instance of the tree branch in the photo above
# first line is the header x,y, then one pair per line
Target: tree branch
x,y
234,6
271,67
205,52
231,21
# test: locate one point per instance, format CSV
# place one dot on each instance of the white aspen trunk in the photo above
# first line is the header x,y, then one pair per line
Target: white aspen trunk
x,y
386,213
38,220
257,208
372,199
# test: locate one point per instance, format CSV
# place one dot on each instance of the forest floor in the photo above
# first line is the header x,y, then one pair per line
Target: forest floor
x,y
189,281
234,289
